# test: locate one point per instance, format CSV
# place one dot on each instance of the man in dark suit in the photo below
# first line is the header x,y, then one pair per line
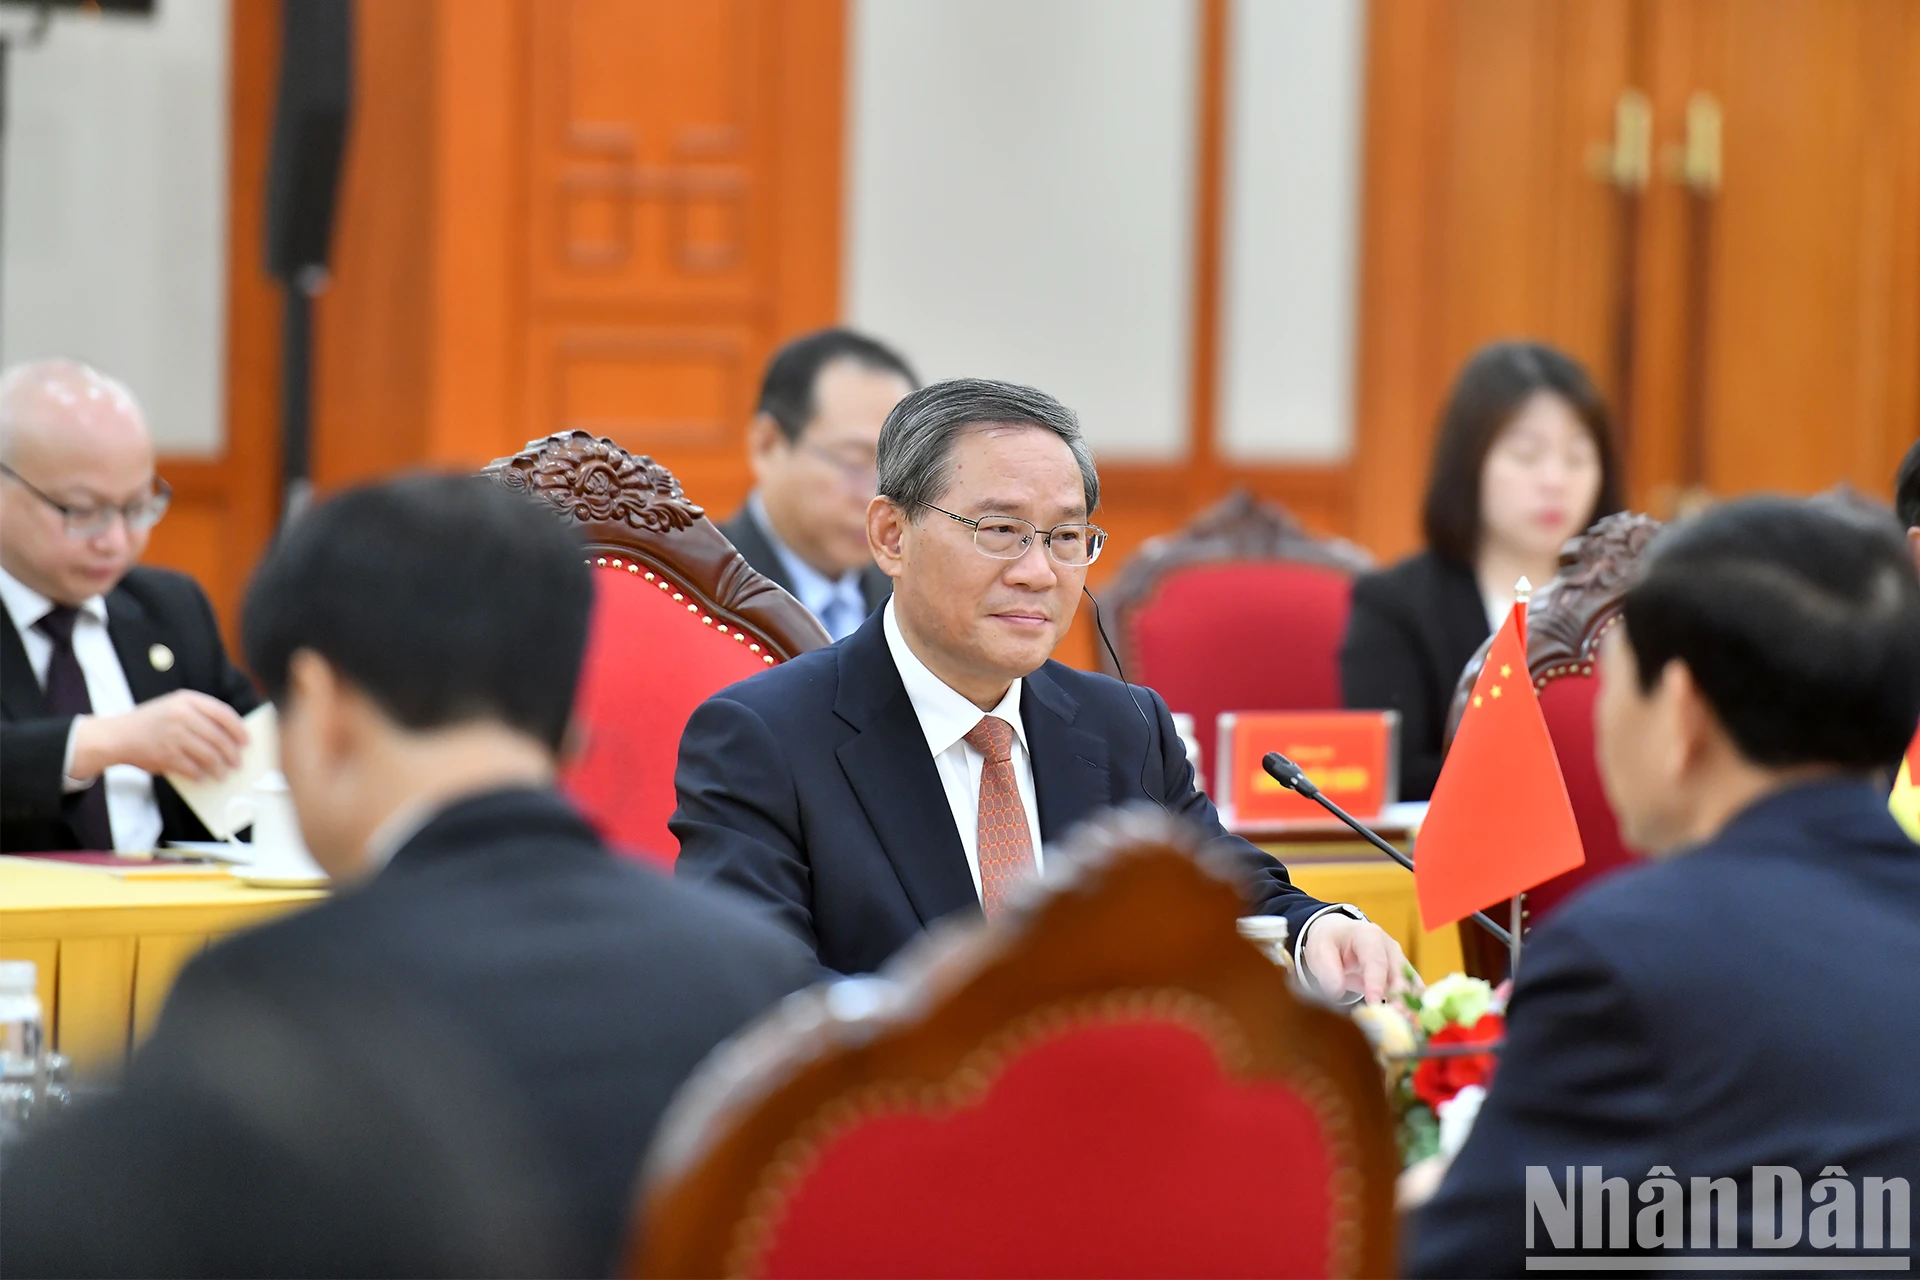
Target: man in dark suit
x,y
110,675
422,640
811,445
1744,1001
918,768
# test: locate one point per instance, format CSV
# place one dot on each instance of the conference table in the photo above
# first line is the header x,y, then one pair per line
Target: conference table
x,y
108,943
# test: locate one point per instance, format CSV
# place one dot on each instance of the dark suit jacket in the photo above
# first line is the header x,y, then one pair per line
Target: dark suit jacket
x,y
750,540
1412,630
149,607
1748,1003
810,789
589,985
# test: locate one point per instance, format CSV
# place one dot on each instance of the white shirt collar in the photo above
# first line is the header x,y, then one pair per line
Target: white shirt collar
x,y
945,715
27,606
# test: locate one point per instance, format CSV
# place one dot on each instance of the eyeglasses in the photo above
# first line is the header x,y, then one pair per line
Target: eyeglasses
x,y
90,522
1007,538
862,475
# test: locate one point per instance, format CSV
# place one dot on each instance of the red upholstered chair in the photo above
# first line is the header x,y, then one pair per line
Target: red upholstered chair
x,y
1565,624
1243,610
678,615
1106,1080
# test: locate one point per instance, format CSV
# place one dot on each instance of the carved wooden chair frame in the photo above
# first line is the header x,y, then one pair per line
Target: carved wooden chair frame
x,y
1239,527
966,998
632,514
1566,621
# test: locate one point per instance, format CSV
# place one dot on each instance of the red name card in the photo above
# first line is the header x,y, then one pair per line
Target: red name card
x,y
1351,756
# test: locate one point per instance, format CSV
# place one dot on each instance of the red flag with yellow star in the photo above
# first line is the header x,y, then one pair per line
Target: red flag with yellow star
x,y
1500,821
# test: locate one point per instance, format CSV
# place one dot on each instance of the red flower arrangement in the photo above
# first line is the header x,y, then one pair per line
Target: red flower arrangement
x,y
1437,1079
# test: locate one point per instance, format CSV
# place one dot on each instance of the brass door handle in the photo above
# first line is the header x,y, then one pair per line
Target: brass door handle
x,y
1626,162
1695,163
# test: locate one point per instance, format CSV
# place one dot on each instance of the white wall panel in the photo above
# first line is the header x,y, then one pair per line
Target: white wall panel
x,y
1020,200
116,207
1293,207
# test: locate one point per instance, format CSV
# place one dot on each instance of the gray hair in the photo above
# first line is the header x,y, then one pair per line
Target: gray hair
x,y
916,444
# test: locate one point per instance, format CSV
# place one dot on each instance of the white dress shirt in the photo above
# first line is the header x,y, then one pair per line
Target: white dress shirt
x,y
840,603
131,808
946,718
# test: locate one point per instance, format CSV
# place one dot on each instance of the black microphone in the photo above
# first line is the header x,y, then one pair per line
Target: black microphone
x,y
1293,778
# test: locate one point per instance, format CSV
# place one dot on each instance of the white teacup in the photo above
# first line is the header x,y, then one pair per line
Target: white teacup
x,y
277,851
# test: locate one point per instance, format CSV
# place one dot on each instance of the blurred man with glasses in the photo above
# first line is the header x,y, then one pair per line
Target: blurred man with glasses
x,y
919,768
111,675
811,445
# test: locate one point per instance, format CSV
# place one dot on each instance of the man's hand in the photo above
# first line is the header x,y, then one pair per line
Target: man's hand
x,y
184,733
1343,955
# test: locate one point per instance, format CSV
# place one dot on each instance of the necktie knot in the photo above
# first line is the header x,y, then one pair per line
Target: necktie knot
x,y
992,738
56,624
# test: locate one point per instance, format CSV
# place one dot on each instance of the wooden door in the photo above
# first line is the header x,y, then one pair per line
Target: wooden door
x,y
1483,215
683,217
1781,286
1757,327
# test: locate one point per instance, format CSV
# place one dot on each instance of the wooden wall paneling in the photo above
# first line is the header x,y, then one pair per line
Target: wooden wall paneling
x,y
374,327
480,204
1812,276
1481,219
224,508
684,186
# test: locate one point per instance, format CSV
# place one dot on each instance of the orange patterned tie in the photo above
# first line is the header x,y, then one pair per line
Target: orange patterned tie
x,y
1006,843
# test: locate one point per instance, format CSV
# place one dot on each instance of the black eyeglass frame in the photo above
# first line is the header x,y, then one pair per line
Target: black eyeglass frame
x,y
139,515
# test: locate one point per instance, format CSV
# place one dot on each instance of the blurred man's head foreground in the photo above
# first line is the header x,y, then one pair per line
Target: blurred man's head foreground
x,y
422,639
1765,642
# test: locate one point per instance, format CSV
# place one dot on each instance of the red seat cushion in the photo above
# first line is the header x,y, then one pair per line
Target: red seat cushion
x,y
1248,635
1120,1149
1567,703
649,663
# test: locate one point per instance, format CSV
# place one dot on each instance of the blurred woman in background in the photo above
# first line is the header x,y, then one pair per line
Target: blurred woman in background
x,y
1523,460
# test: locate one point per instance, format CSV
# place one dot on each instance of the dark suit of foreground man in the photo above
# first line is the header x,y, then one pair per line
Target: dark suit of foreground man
x,y
422,640
852,790
1747,998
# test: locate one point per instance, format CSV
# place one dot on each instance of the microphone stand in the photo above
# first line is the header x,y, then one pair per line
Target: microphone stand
x,y
1293,778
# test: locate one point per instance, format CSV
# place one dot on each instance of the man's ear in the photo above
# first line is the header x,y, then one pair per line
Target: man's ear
x,y
766,443
331,709
886,533
1694,729
1913,545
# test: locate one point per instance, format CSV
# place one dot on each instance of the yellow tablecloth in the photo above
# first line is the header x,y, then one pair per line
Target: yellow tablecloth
x,y
1356,873
108,949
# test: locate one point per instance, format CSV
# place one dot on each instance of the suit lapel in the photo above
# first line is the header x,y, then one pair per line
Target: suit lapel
x,y
748,539
135,636
20,693
1070,774
894,778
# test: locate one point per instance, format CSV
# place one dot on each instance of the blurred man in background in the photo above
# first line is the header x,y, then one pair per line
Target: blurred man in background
x,y
812,445
1906,500
1744,999
110,674
422,640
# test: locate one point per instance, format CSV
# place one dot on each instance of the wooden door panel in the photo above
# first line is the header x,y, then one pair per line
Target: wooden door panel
x,y
1811,265
650,158
1483,218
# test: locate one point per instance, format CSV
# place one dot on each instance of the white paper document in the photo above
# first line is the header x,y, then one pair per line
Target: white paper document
x,y
210,800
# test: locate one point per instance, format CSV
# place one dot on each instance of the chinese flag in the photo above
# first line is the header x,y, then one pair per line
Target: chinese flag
x,y
1905,801
1500,821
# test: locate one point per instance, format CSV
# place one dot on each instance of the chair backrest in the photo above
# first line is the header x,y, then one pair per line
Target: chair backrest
x,y
1104,1080
1565,624
1243,610
678,615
